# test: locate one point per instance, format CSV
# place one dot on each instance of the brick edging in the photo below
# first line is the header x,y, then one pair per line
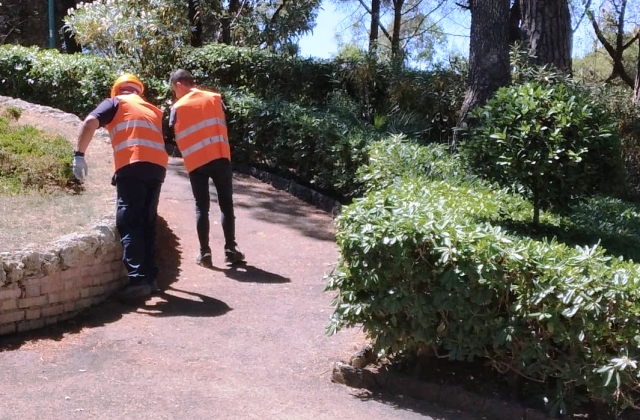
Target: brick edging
x,y
39,288
44,287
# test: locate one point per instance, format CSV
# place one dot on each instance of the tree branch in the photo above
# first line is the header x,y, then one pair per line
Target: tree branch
x,y
384,30
587,5
616,54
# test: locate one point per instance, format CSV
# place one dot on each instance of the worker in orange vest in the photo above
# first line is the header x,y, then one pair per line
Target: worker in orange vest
x,y
140,164
197,118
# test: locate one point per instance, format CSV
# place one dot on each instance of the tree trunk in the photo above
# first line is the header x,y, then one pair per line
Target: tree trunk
x,y
234,6
614,52
488,53
374,31
195,23
396,52
514,23
70,45
636,88
546,28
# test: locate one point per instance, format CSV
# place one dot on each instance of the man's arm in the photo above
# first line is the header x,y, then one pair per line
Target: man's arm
x,y
87,130
99,117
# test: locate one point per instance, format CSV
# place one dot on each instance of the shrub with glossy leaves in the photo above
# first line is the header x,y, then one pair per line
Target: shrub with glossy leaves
x,y
431,258
551,139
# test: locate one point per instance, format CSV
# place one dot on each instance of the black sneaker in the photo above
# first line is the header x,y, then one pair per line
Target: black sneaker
x,y
233,255
204,260
136,291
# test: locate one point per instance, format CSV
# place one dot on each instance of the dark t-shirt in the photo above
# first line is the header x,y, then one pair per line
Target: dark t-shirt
x,y
105,112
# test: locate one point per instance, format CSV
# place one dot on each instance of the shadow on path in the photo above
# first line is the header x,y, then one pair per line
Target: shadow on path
x,y
267,204
246,273
402,403
171,304
168,256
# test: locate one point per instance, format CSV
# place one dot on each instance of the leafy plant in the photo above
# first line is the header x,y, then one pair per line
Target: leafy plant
x,y
13,112
551,140
32,160
432,258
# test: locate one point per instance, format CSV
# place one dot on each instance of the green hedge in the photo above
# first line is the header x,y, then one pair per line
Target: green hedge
x,y
73,83
436,260
423,103
316,147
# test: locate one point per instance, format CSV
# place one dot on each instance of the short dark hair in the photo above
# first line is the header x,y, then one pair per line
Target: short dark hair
x,y
182,76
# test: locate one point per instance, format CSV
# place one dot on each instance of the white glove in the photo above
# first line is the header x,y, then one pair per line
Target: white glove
x,y
80,169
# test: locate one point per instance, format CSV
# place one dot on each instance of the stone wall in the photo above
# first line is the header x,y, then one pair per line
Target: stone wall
x,y
39,288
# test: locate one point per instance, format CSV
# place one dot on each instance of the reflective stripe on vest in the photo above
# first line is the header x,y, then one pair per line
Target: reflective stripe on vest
x,y
206,123
200,128
138,142
131,124
136,133
201,144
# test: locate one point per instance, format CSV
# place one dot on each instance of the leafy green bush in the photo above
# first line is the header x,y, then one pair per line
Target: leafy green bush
x,y
32,160
318,148
74,83
433,261
553,140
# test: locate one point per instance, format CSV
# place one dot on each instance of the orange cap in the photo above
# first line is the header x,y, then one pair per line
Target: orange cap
x,y
124,80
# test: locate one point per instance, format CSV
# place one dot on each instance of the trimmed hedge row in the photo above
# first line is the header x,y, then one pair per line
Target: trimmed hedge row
x,y
318,147
434,259
73,83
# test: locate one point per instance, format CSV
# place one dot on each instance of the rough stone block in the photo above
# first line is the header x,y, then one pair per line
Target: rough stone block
x,y
70,273
69,295
8,305
76,247
13,316
70,284
52,310
32,302
10,292
84,303
8,329
33,313
96,290
50,320
52,284
31,290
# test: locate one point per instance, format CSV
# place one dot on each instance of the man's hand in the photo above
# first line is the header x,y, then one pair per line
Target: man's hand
x,y
80,169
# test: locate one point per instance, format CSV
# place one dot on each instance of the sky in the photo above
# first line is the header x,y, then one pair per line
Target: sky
x,y
322,43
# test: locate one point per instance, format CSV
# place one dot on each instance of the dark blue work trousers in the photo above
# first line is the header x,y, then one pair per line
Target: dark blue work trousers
x,y
136,214
219,170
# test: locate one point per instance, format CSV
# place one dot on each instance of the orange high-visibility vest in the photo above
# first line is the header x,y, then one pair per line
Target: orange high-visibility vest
x,y
201,129
136,133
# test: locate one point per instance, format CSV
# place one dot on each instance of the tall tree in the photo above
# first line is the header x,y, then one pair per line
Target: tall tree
x,y
398,29
546,29
195,23
614,16
69,43
488,53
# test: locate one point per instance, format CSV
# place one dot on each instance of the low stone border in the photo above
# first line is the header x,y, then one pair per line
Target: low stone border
x,y
39,288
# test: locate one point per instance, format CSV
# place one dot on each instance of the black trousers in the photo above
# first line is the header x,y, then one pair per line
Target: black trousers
x,y
219,171
136,214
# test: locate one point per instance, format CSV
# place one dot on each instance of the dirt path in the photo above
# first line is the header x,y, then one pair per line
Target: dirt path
x,y
216,344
